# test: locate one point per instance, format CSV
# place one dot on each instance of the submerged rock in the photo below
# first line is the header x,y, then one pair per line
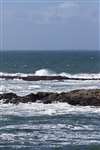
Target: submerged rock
x,y
76,97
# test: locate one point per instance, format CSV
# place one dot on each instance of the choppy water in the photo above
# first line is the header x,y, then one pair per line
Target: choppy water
x,y
49,126
52,126
21,87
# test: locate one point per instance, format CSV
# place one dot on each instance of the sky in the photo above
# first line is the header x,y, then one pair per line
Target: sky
x,y
49,24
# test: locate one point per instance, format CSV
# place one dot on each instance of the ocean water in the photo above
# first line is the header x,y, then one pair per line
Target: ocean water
x,y
58,61
55,126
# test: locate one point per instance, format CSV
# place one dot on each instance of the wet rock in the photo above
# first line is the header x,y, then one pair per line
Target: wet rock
x,y
76,97
38,78
8,96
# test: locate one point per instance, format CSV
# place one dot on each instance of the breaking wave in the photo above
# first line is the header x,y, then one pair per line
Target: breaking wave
x,y
48,72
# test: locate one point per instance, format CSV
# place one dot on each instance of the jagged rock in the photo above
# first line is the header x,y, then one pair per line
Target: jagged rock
x,y
76,97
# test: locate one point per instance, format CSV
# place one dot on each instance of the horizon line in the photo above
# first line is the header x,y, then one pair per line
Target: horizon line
x,y
49,50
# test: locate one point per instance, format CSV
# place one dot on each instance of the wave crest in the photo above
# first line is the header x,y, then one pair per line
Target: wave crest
x,y
48,72
44,72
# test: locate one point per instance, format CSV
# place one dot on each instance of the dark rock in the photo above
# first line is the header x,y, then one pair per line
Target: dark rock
x,y
7,96
76,97
37,78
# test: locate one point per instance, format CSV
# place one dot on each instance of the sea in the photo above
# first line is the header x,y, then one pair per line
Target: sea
x,y
56,126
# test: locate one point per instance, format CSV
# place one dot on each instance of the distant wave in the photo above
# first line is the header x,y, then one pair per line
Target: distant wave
x,y
48,72
45,72
15,74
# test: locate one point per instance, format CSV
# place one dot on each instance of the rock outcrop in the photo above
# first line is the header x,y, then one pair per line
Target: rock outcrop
x,y
76,97
38,78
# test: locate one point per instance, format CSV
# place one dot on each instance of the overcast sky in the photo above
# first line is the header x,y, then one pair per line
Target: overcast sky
x,y
49,24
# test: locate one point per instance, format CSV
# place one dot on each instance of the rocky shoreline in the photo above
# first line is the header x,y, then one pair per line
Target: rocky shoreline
x,y
38,78
77,97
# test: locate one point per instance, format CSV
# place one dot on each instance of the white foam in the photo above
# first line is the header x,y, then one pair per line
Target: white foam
x,y
48,72
39,109
21,87
47,132
82,75
44,72
4,89
15,74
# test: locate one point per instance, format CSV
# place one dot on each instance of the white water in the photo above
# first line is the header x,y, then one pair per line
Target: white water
x,y
47,72
38,109
46,126
21,87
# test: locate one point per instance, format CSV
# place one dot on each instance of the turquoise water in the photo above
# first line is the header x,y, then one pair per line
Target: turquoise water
x,y
51,126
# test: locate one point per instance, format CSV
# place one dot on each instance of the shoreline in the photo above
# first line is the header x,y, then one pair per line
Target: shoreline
x,y
80,97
